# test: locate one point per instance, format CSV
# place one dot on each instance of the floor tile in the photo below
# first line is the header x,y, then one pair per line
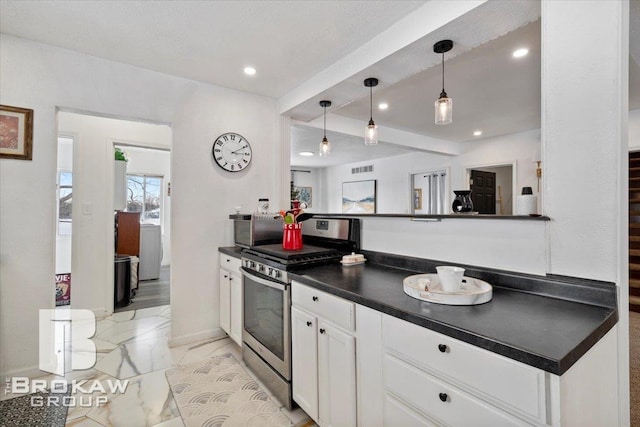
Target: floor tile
x,y
134,329
167,312
136,358
149,312
85,402
147,402
82,422
103,325
207,349
122,316
174,422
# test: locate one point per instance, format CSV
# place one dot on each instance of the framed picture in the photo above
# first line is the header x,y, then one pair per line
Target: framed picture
x,y
304,195
16,132
417,199
359,197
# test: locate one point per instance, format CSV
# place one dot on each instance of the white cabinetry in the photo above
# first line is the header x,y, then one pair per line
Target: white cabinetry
x,y
231,297
409,375
323,356
455,383
150,252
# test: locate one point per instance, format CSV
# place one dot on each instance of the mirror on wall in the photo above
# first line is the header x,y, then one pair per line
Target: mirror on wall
x,y
496,126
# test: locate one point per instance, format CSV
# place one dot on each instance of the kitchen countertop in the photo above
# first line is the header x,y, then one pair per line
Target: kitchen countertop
x,y
547,332
233,251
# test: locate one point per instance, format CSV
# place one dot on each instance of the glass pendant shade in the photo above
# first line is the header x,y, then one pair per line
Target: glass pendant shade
x,y
444,104
325,147
444,110
371,134
371,131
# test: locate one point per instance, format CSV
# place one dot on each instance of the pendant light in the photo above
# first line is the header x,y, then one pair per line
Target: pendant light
x,y
325,145
371,132
444,104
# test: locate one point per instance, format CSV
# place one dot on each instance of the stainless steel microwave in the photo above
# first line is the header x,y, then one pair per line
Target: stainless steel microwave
x,y
256,229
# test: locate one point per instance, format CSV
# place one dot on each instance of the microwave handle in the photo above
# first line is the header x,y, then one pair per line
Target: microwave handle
x,y
271,284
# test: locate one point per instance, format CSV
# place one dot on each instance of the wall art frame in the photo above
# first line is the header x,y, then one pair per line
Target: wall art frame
x,y
359,197
16,132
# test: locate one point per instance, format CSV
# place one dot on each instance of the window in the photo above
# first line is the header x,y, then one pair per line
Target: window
x,y
145,196
65,193
429,193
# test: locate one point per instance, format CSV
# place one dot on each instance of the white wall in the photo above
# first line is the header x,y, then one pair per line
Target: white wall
x,y
144,161
45,78
585,88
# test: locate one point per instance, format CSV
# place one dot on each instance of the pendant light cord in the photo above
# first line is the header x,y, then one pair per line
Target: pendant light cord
x,y
443,71
325,122
371,102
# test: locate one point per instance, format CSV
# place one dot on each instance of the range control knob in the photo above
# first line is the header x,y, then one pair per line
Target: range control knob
x,y
270,272
252,264
276,274
261,268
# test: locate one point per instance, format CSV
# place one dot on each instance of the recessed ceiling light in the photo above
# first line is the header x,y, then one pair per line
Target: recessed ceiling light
x,y
519,53
477,133
249,71
306,153
383,106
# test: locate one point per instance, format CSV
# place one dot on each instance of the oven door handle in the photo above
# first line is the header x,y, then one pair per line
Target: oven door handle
x,y
271,284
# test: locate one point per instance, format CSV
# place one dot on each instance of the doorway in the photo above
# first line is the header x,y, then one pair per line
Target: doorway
x,y
483,191
64,224
93,238
492,188
634,231
147,199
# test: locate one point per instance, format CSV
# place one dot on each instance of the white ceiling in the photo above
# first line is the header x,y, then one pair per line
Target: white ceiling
x,y
344,148
491,91
290,41
209,41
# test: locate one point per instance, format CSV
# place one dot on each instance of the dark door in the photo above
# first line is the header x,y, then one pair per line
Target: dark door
x,y
634,231
483,191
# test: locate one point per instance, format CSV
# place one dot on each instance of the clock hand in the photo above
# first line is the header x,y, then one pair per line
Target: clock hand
x,y
239,149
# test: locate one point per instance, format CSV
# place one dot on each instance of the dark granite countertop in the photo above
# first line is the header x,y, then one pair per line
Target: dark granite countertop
x,y
547,332
234,251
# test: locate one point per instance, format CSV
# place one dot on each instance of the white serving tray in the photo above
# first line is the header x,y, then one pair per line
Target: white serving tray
x,y
426,287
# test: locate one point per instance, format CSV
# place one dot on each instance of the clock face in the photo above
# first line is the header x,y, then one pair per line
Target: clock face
x,y
232,152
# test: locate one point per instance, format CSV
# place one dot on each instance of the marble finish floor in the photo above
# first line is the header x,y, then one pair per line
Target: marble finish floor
x,y
133,345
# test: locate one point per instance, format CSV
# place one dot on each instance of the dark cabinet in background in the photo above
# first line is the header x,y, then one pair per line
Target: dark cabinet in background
x,y
128,233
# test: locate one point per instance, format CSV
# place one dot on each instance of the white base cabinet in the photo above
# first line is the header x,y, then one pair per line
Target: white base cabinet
x,y
323,356
336,376
231,297
355,366
304,367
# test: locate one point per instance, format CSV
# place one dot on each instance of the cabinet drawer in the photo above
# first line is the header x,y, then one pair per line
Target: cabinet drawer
x,y
230,263
503,380
440,400
398,414
332,308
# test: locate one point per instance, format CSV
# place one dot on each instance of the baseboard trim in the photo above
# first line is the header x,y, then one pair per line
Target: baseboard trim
x,y
198,336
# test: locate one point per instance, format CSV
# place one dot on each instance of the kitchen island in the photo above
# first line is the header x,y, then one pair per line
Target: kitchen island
x,y
507,362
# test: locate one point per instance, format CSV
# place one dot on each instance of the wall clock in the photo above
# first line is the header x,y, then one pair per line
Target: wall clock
x,y
232,152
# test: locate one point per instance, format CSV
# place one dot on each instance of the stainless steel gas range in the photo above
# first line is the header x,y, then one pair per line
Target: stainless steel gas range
x,y
266,333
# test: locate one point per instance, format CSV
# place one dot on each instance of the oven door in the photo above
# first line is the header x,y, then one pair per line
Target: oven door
x,y
267,312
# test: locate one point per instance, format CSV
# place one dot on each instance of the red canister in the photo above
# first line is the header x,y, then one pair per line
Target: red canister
x,y
292,237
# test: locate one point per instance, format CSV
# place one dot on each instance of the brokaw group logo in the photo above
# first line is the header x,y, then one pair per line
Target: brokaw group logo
x,y
65,346
64,340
